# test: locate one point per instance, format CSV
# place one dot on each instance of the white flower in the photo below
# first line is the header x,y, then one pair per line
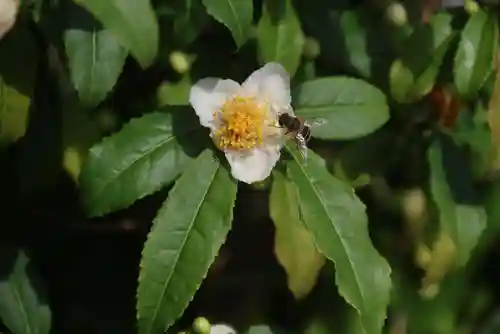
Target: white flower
x,y
222,329
243,118
8,13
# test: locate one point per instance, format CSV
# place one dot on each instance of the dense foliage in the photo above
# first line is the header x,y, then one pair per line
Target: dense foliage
x,y
121,215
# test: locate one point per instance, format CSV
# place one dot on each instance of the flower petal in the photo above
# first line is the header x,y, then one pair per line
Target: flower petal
x,y
222,329
208,95
254,165
271,82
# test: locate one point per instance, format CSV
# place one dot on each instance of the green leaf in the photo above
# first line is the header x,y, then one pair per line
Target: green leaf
x,y
355,39
95,57
471,128
337,220
363,43
347,108
144,156
236,15
414,75
21,307
476,52
189,18
18,61
293,243
260,329
461,215
279,35
133,22
174,93
185,238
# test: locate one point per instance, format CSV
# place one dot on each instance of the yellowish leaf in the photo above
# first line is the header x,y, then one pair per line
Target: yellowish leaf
x,y
293,244
17,79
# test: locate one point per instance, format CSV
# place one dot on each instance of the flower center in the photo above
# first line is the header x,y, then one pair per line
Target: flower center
x,y
242,121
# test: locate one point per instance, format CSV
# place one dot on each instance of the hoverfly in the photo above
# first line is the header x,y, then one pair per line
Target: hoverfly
x,y
296,128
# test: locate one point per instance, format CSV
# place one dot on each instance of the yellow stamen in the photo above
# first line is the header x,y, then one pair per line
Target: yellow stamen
x,y
242,124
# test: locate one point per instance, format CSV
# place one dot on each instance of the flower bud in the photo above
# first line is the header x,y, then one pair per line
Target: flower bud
x,y
471,6
201,325
180,62
311,48
396,14
414,205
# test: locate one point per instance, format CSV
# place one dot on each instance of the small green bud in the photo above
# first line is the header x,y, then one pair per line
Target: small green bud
x,y
180,62
162,93
471,6
311,48
414,205
201,325
396,14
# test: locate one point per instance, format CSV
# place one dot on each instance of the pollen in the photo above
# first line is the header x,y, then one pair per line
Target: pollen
x,y
242,123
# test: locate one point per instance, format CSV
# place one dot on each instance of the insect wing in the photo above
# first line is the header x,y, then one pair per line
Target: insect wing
x,y
303,151
302,146
316,122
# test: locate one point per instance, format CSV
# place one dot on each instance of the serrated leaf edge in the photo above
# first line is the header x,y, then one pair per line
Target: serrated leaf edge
x,y
297,161
107,139
177,257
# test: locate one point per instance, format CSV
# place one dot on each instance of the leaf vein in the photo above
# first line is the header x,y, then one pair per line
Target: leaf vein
x,y
187,234
331,219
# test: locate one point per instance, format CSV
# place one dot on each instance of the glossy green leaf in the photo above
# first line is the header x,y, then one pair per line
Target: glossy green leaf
x,y
414,75
236,15
22,308
279,35
293,243
337,220
185,238
355,39
133,22
475,54
461,215
95,57
189,19
141,158
341,107
18,60
362,42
